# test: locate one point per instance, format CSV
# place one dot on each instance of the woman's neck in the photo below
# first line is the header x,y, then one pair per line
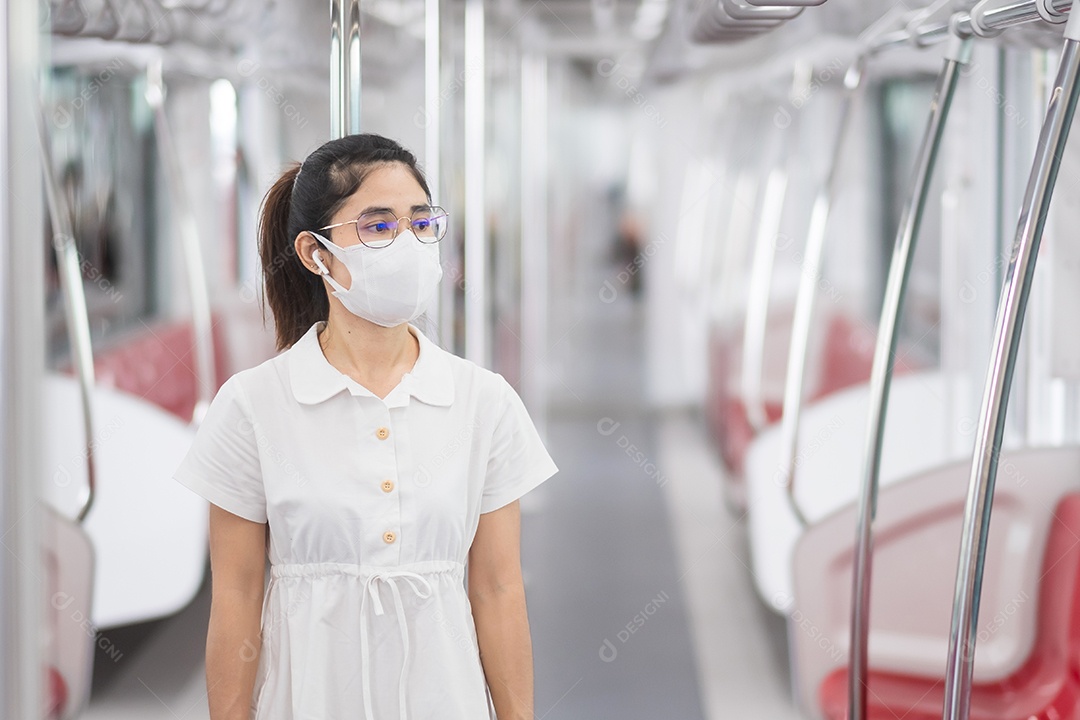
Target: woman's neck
x,y
372,355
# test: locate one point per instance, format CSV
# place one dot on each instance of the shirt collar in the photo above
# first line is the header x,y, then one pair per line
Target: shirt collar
x,y
314,379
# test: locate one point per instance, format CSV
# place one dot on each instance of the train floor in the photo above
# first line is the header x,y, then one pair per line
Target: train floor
x,y
640,598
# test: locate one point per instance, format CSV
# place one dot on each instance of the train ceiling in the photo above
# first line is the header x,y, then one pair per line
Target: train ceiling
x,y
291,36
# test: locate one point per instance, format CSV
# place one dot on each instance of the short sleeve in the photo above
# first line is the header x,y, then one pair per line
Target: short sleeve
x,y
518,461
222,464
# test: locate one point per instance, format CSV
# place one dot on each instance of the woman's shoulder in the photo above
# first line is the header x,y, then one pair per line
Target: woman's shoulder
x,y
490,385
258,380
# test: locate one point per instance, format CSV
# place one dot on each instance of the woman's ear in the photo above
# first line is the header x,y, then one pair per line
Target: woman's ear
x,y
307,248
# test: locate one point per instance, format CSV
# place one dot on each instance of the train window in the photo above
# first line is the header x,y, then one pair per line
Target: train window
x,y
102,145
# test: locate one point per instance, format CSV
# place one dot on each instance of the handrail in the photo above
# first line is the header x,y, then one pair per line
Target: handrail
x,y
69,270
1012,307
871,42
786,3
105,24
68,17
184,219
989,18
134,23
804,300
957,53
761,271
754,12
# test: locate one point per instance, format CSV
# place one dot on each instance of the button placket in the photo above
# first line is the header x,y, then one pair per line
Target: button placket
x,y
389,529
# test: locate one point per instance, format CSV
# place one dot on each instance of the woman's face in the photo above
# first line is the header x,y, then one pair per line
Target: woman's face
x,y
390,187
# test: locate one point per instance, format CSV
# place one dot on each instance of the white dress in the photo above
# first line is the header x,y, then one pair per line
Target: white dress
x,y
372,506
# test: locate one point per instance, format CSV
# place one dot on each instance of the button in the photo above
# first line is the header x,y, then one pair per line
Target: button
x,y
389,537
387,485
382,433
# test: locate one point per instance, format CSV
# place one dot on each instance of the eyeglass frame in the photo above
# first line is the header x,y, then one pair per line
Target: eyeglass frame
x,y
397,229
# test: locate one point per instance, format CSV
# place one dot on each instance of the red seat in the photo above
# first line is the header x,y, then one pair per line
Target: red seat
x,y
158,365
1045,687
848,359
57,694
848,356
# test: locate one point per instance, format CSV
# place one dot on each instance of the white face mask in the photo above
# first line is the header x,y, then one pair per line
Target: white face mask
x,y
390,285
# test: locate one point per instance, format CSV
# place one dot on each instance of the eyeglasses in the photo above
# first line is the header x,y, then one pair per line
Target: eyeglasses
x,y
379,228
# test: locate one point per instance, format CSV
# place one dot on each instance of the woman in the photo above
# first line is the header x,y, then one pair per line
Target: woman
x,y
375,462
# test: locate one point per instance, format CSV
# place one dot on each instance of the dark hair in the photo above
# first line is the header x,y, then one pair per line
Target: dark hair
x,y
305,197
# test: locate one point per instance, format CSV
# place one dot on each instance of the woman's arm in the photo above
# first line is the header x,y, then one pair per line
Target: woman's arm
x,y
233,642
497,594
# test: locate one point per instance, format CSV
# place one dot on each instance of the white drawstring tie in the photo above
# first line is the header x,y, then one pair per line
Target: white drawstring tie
x,y
423,590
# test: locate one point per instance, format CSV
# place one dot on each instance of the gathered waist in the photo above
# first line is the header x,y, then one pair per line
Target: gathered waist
x,y
414,578
364,570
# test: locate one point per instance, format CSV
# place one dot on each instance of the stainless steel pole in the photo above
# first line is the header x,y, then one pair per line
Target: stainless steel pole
x,y
476,240
22,359
442,311
807,293
534,233
958,53
1007,329
432,101
344,67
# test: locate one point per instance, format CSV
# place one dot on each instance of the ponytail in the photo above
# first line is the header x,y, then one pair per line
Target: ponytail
x,y
296,296
307,201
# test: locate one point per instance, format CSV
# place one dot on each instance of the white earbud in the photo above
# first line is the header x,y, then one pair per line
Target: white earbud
x,y
319,263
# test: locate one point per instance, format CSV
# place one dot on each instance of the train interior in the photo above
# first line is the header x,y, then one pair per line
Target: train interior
x,y
758,269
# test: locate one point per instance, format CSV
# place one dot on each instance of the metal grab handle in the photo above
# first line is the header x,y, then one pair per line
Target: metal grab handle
x,y
739,11
958,53
785,3
69,269
1007,328
757,312
935,15
987,18
202,324
134,23
871,40
68,17
105,24
804,300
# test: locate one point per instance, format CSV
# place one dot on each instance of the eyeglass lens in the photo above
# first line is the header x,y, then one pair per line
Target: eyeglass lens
x,y
378,229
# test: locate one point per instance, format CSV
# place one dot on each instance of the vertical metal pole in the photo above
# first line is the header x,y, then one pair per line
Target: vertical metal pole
x,y
534,233
1007,328
344,68
476,241
22,342
957,54
443,311
432,101
802,321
